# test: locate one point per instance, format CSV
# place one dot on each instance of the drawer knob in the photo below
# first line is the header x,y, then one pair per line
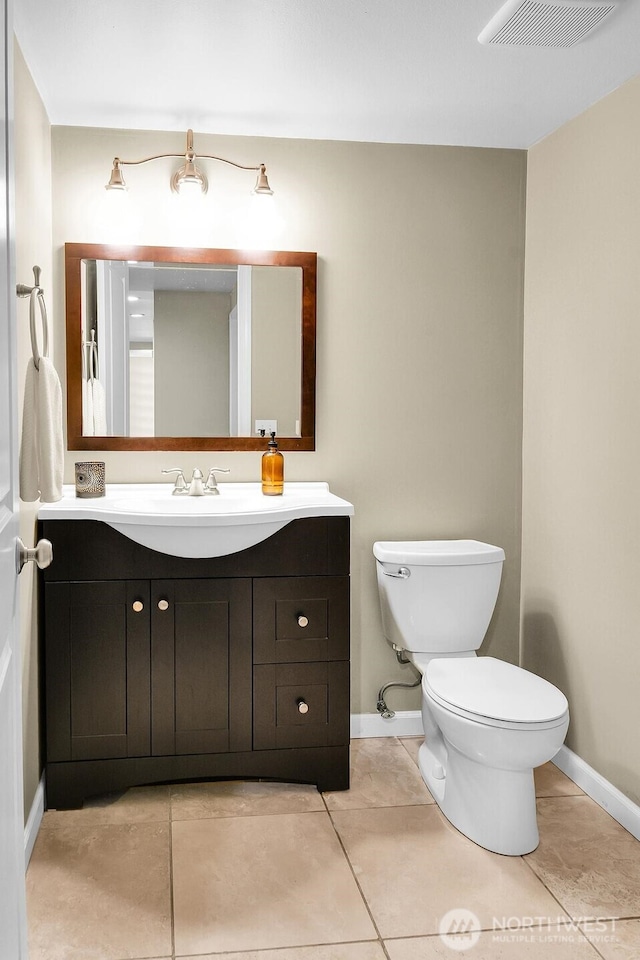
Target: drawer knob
x,y
303,706
303,621
163,604
138,606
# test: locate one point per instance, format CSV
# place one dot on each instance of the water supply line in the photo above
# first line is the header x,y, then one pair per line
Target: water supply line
x,y
381,706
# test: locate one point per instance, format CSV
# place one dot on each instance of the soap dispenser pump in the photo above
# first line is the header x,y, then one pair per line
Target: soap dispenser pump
x,y
272,469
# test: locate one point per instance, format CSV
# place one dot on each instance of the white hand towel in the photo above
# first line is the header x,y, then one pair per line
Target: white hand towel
x,y
42,450
88,429
29,473
50,442
99,408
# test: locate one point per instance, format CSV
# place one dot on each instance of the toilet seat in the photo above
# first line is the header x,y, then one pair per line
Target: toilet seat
x,y
494,693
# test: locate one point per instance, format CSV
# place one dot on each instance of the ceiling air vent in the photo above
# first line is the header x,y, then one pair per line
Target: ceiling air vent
x,y
535,23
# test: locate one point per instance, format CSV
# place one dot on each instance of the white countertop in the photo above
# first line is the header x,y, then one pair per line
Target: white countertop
x,y
239,517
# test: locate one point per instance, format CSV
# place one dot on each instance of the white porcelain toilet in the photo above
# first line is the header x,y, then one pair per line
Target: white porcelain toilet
x,y
487,723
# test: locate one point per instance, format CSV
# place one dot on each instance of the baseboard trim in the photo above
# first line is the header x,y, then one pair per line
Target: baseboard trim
x,y
617,805
406,723
34,820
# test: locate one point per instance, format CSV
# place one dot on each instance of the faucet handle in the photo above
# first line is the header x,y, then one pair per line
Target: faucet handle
x,y
211,486
180,484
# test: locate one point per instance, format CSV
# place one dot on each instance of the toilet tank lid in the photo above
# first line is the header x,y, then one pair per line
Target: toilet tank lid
x,y
437,552
495,689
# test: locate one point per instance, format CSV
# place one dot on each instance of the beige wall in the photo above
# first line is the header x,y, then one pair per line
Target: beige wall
x,y
419,332
32,144
581,514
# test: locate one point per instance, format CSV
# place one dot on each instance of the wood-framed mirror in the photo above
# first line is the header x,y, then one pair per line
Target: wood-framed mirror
x,y
173,348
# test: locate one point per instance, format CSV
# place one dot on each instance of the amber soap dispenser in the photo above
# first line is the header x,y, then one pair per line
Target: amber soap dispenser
x,y
272,469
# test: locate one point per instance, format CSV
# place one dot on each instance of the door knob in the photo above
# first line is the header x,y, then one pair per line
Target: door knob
x,y
303,621
138,606
41,554
163,604
303,706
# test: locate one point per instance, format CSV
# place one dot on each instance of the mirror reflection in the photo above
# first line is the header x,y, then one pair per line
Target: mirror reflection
x,y
199,345
190,349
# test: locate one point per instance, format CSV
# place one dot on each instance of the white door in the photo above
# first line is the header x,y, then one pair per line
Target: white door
x,y
12,912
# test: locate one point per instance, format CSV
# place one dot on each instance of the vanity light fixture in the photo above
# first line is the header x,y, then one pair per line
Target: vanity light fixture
x,y
189,174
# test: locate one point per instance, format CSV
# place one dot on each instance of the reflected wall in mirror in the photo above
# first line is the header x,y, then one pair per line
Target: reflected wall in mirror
x,y
186,349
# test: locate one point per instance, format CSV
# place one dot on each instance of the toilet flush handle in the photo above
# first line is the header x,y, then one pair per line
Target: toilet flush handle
x,y
403,573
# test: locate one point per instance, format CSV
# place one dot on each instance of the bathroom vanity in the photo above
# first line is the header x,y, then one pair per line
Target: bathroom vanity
x,y
163,668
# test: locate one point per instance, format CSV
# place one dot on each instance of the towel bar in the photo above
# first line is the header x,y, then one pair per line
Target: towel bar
x,y
36,293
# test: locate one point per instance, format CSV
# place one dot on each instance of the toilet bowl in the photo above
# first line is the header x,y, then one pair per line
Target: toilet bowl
x,y
487,723
496,723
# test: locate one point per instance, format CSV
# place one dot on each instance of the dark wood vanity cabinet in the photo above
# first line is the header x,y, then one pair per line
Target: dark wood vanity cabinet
x,y
161,669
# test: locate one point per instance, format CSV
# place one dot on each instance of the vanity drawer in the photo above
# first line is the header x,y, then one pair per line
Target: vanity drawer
x,y
300,619
300,705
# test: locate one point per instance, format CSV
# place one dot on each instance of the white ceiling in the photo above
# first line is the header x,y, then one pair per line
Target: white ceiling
x,y
403,71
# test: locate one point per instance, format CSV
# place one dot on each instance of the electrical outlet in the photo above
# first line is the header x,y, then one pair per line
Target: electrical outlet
x,y
269,427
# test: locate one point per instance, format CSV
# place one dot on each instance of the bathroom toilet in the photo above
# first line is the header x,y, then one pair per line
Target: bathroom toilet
x,y
487,723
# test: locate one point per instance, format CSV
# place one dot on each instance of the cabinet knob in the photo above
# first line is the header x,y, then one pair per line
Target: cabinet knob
x,y
303,621
303,706
163,604
138,606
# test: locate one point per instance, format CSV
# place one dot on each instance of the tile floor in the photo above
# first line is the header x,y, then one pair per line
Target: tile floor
x,y
263,871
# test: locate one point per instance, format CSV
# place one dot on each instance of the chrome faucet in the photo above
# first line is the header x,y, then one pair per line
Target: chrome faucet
x,y
180,488
196,488
211,486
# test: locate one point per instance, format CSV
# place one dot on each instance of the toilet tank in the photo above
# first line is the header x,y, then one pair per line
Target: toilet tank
x,y
445,604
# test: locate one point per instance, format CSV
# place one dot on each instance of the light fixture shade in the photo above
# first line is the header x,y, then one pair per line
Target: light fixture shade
x,y
189,174
116,181
262,184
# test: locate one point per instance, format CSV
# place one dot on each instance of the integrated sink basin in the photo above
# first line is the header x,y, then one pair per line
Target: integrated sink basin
x,y
210,526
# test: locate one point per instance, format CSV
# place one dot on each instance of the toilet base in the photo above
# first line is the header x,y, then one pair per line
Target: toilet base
x,y
495,808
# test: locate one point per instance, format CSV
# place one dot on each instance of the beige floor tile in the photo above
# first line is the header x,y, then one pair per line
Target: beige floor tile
x,y
382,775
99,892
240,798
332,951
413,867
137,805
412,745
244,883
620,941
552,782
488,947
586,859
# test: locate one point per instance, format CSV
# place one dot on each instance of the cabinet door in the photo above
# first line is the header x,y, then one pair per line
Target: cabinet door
x,y
301,705
97,669
298,619
201,666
